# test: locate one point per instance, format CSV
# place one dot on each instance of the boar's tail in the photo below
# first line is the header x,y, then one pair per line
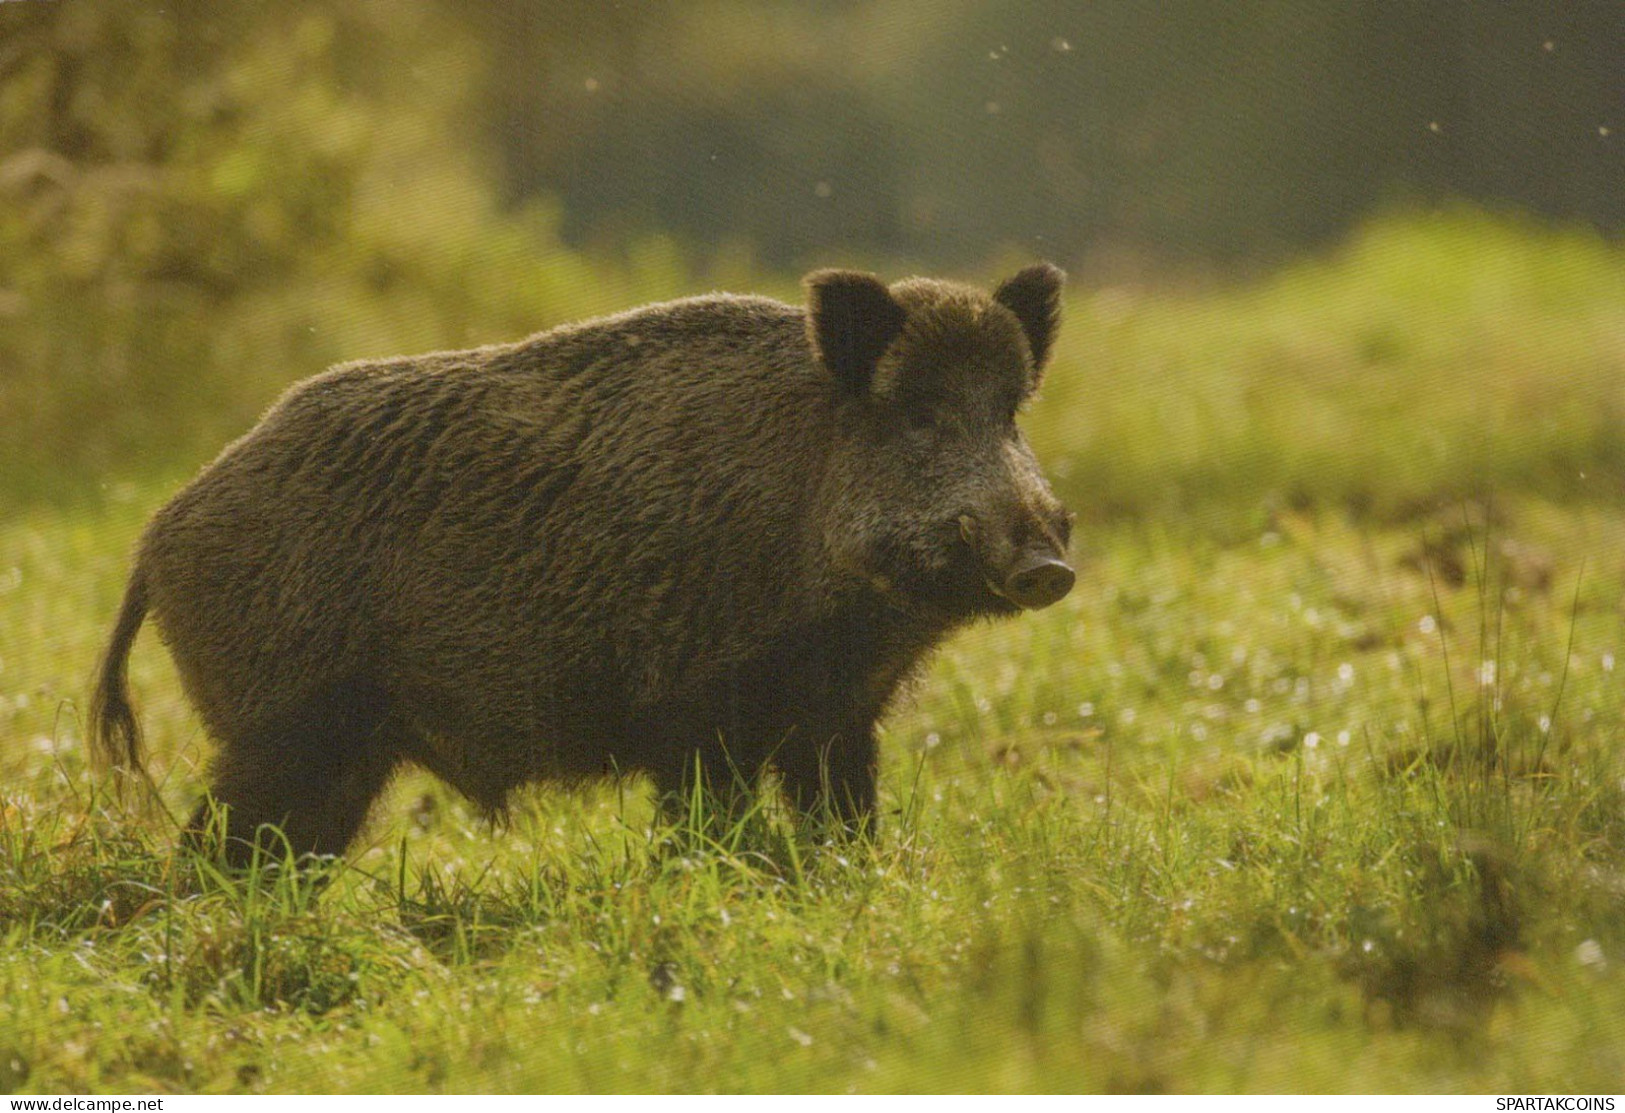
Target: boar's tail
x,y
115,736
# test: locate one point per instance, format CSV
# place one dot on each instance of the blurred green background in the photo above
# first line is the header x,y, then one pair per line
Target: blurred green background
x,y
1290,225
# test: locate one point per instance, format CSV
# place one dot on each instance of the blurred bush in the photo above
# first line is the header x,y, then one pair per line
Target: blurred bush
x,y
202,203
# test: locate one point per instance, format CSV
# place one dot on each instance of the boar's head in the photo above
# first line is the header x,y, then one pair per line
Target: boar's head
x,y
932,494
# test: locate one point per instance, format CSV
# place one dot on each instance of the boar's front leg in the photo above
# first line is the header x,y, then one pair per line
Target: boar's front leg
x,y
830,775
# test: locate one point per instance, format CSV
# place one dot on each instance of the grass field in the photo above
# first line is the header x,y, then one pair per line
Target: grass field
x,y
1314,782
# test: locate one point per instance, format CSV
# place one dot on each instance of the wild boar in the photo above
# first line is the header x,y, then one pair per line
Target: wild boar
x,y
714,534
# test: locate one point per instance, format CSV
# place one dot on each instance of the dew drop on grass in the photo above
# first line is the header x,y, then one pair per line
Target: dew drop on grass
x,y
1427,624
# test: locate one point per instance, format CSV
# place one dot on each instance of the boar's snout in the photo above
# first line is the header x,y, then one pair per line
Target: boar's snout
x,y
1037,580
1032,577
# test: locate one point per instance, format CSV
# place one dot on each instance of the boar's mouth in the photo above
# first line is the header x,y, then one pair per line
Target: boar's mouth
x,y
955,583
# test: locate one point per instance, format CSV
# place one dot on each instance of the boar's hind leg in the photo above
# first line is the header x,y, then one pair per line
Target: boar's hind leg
x,y
834,779
314,780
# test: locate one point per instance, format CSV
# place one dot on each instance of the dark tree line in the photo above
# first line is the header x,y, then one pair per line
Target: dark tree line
x,y
946,130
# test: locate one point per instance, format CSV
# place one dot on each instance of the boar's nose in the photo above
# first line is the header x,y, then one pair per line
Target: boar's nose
x,y
1038,580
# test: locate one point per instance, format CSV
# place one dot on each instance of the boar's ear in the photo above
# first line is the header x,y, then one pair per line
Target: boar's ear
x,y
1034,296
851,320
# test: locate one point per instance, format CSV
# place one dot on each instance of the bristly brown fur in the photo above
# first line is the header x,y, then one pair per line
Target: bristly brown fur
x,y
698,530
